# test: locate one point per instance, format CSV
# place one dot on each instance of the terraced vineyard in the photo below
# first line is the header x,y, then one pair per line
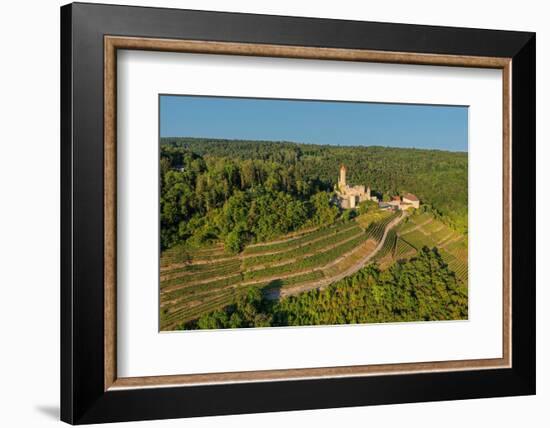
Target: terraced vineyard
x,y
389,246
376,229
403,249
424,230
194,282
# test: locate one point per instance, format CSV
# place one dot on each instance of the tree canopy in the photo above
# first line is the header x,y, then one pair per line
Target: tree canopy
x,y
419,289
248,191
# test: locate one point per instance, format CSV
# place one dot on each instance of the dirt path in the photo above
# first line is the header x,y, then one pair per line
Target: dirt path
x,y
306,286
444,239
267,279
296,246
165,270
418,226
350,271
287,238
444,244
301,256
284,262
258,281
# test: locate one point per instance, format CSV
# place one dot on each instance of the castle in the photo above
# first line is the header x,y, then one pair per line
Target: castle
x,y
350,196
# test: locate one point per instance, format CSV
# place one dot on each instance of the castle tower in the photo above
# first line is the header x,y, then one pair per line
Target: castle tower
x,y
368,193
342,178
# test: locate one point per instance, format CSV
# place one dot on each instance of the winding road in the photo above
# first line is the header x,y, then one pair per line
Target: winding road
x,y
320,284
349,257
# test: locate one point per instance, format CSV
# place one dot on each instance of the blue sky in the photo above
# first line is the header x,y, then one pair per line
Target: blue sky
x,y
317,122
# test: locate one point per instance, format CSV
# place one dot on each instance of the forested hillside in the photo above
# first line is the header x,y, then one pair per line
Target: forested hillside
x,y
243,192
419,289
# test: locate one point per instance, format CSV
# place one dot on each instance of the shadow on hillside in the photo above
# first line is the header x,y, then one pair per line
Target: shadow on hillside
x,y
272,290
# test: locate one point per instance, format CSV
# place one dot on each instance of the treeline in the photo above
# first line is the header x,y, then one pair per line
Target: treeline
x,y
420,289
208,198
438,178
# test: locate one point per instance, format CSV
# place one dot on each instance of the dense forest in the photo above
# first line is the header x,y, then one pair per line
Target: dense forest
x,y
419,289
250,191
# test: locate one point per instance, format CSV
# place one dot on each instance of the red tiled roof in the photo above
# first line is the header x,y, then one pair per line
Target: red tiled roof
x,y
410,197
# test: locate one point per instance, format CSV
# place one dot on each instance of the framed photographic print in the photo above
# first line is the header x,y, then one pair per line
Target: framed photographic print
x,y
266,213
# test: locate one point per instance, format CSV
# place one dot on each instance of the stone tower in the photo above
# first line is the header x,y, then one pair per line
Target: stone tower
x,y
342,178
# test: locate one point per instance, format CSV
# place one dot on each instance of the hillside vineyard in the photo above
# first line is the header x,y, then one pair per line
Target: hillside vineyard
x,y
257,234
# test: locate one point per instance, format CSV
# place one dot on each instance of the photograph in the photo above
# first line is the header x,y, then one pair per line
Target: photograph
x,y
282,212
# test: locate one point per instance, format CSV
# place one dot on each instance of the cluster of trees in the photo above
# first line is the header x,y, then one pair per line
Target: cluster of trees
x,y
199,176
250,310
419,289
206,198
